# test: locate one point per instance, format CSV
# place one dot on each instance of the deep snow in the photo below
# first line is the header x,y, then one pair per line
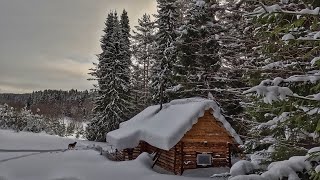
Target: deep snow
x,y
80,164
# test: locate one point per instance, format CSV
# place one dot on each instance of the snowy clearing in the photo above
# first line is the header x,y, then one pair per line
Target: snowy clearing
x,y
80,164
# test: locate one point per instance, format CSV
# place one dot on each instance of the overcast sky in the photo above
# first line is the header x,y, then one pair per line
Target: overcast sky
x,y
51,44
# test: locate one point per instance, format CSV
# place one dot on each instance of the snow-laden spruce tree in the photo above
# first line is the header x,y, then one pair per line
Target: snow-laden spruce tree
x,y
125,40
112,104
143,51
197,49
165,54
287,115
125,43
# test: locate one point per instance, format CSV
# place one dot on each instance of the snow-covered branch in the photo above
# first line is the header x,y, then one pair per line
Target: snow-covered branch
x,y
277,9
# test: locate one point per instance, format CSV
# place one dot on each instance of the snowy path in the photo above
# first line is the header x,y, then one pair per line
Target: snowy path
x,y
35,152
18,157
26,150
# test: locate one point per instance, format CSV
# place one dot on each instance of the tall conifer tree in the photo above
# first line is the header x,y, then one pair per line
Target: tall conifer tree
x,y
112,103
163,69
143,49
197,48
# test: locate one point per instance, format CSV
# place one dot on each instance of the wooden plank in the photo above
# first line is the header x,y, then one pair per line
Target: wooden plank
x,y
174,163
182,161
156,160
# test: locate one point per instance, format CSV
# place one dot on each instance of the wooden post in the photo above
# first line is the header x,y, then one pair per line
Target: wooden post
x,y
130,153
156,158
182,161
175,161
142,148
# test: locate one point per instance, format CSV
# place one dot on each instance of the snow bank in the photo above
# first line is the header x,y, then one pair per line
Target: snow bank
x,y
80,164
165,128
287,168
248,177
279,170
32,141
242,167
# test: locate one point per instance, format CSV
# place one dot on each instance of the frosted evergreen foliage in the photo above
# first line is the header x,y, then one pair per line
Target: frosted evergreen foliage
x,y
112,104
143,51
286,84
25,120
166,56
197,48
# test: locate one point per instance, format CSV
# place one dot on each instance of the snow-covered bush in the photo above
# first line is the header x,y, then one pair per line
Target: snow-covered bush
x,y
295,168
242,167
25,120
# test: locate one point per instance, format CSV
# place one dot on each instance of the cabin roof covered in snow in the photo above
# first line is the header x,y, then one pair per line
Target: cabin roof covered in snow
x,y
164,129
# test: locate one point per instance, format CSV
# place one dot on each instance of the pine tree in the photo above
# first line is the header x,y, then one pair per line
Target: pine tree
x,y
143,49
112,104
165,55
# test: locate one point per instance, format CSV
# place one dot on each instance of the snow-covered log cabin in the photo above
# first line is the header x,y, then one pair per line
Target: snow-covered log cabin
x,y
186,134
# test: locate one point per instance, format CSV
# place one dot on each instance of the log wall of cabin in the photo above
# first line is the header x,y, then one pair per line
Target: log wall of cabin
x,y
207,135
207,129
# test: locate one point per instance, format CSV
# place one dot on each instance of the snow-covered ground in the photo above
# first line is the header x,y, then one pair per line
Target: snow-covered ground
x,y
35,161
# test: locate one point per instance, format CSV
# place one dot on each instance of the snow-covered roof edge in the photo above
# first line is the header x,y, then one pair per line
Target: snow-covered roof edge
x,y
218,116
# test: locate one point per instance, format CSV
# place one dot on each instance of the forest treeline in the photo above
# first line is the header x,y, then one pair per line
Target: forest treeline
x,y
73,104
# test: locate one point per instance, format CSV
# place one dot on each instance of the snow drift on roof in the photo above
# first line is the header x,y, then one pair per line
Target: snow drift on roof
x,y
164,129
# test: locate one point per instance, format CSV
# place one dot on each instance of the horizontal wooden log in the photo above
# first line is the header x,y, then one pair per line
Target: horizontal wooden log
x,y
168,161
165,166
193,151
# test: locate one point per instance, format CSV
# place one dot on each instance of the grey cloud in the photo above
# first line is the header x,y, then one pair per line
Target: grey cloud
x,y
51,43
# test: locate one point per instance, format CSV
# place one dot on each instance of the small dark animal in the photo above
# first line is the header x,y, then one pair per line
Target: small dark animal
x,y
72,145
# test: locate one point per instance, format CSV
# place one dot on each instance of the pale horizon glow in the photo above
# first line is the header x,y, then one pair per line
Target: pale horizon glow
x,y
46,44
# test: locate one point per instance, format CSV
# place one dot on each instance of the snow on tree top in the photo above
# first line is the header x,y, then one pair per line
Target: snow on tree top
x,y
316,11
317,35
314,150
200,3
287,37
165,128
314,60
